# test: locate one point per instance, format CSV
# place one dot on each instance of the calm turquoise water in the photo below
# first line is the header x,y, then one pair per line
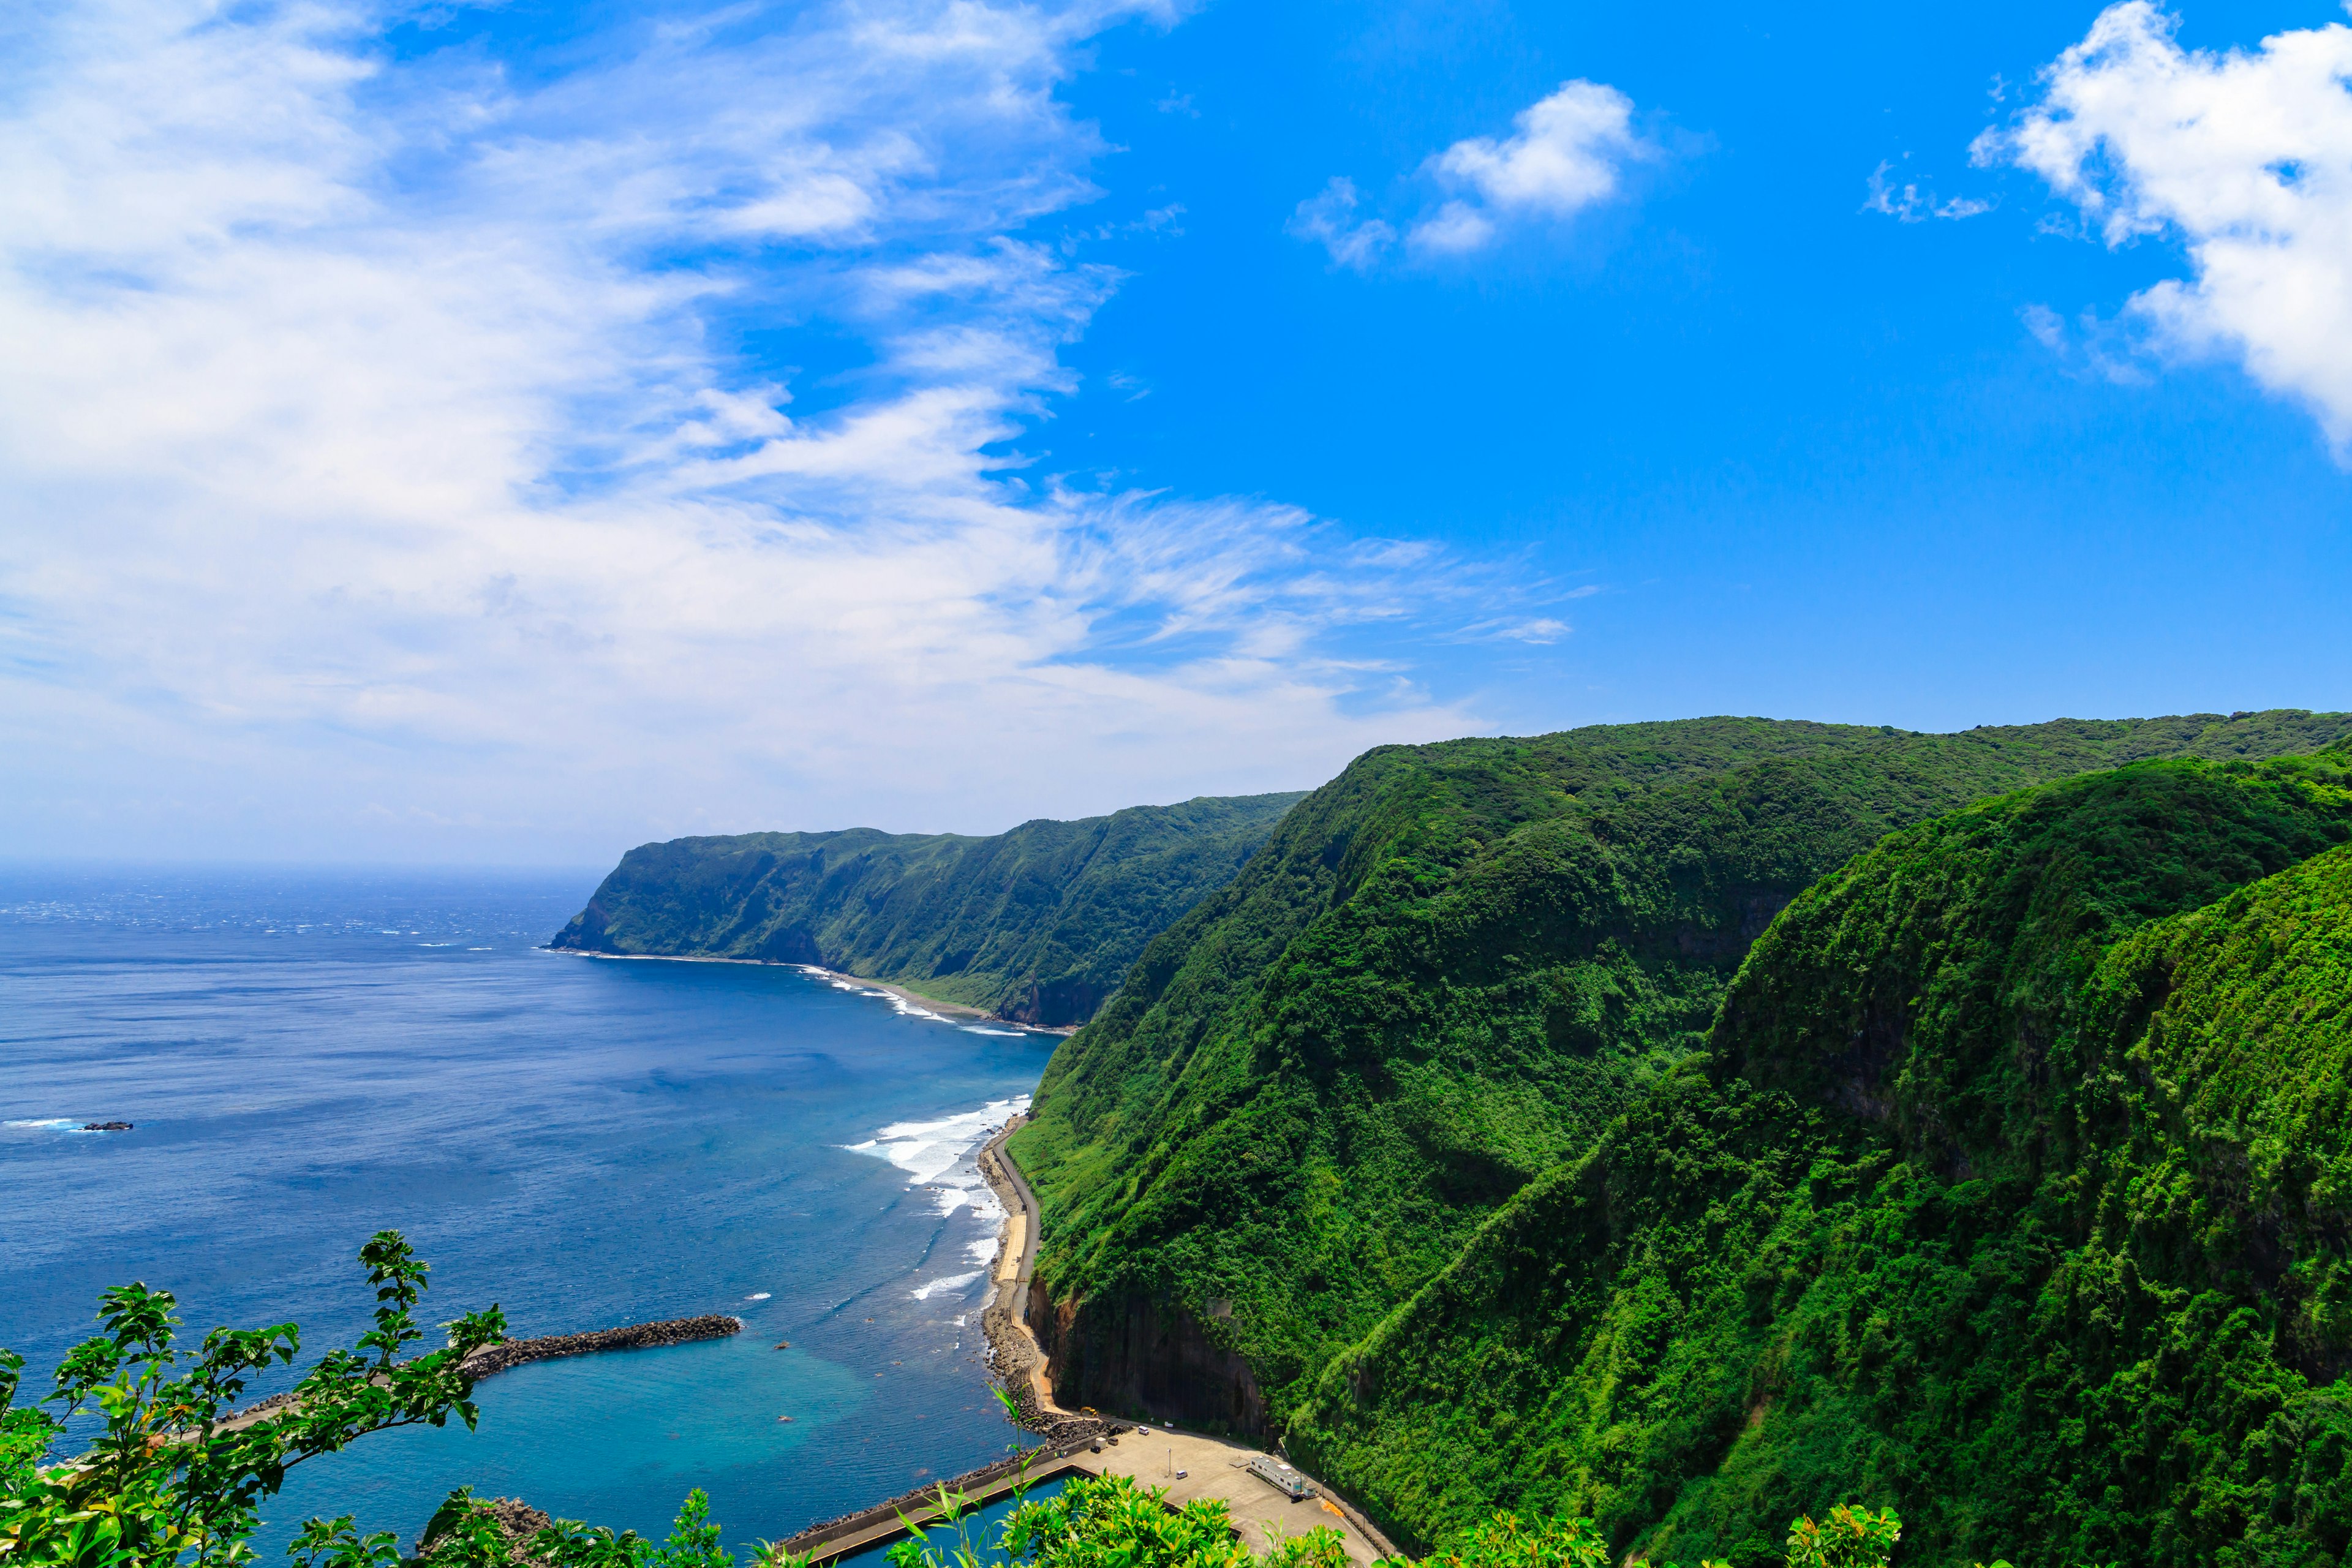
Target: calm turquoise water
x,y
310,1058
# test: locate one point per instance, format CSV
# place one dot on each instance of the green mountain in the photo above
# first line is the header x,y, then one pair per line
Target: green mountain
x,y
2014,1190
1038,924
1446,976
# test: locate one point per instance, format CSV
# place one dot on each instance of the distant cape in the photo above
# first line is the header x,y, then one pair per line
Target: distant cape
x,y
1038,925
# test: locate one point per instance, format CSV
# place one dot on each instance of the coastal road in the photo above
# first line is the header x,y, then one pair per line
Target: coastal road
x,y
1028,1210
1014,1291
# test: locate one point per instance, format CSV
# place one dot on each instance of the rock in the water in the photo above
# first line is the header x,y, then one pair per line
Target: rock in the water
x,y
106,1127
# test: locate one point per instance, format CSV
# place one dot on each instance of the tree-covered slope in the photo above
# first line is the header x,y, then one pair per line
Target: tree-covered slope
x,y
2014,1191
1446,972
1039,923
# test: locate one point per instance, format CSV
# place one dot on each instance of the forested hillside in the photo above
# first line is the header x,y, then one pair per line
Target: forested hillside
x,y
1448,972
1038,924
2013,1191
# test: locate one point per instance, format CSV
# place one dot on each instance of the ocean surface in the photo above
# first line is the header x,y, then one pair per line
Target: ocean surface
x,y
309,1058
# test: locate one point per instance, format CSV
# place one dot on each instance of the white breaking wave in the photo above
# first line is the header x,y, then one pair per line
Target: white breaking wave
x,y
929,1151
976,1029
858,988
941,1156
53,1123
953,1282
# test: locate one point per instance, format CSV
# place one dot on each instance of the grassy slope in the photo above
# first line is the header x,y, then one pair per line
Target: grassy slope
x,y
2010,1194
1448,969
1039,923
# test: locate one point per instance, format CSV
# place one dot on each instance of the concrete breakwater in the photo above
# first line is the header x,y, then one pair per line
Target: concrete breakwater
x,y
832,1537
497,1358
492,1359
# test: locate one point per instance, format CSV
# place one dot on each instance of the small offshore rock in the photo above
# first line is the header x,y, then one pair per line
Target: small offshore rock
x,y
106,1127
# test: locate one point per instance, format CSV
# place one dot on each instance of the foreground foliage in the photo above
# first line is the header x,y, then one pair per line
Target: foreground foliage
x,y
1039,923
175,1476
171,1479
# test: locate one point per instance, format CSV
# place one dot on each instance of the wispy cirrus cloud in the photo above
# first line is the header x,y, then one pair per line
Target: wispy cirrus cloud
x,y
1566,152
386,470
1329,219
1907,202
2244,156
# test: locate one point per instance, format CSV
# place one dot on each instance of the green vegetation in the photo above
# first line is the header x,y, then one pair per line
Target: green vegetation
x,y
1448,969
2013,1191
1342,1161
175,1477
1038,924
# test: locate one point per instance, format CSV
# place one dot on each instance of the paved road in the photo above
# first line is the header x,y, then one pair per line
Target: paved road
x,y
1015,1292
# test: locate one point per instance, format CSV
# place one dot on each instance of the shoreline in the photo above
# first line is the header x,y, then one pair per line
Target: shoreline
x,y
934,1004
1016,1360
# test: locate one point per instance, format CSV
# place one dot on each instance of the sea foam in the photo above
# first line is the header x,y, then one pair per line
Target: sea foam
x,y
898,1003
953,1282
941,1156
930,1151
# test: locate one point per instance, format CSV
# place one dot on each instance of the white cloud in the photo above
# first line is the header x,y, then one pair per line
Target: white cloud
x,y
2245,157
377,475
1567,152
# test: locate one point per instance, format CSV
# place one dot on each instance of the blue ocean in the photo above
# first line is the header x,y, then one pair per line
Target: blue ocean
x,y
309,1058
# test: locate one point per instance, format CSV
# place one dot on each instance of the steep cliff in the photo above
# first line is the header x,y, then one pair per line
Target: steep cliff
x,y
2014,1190
1445,974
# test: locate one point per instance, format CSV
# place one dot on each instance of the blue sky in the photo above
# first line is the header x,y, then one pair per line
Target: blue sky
x,y
515,432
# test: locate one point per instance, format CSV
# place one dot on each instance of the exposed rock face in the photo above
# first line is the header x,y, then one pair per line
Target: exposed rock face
x,y
1057,1004
497,1358
1145,1357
